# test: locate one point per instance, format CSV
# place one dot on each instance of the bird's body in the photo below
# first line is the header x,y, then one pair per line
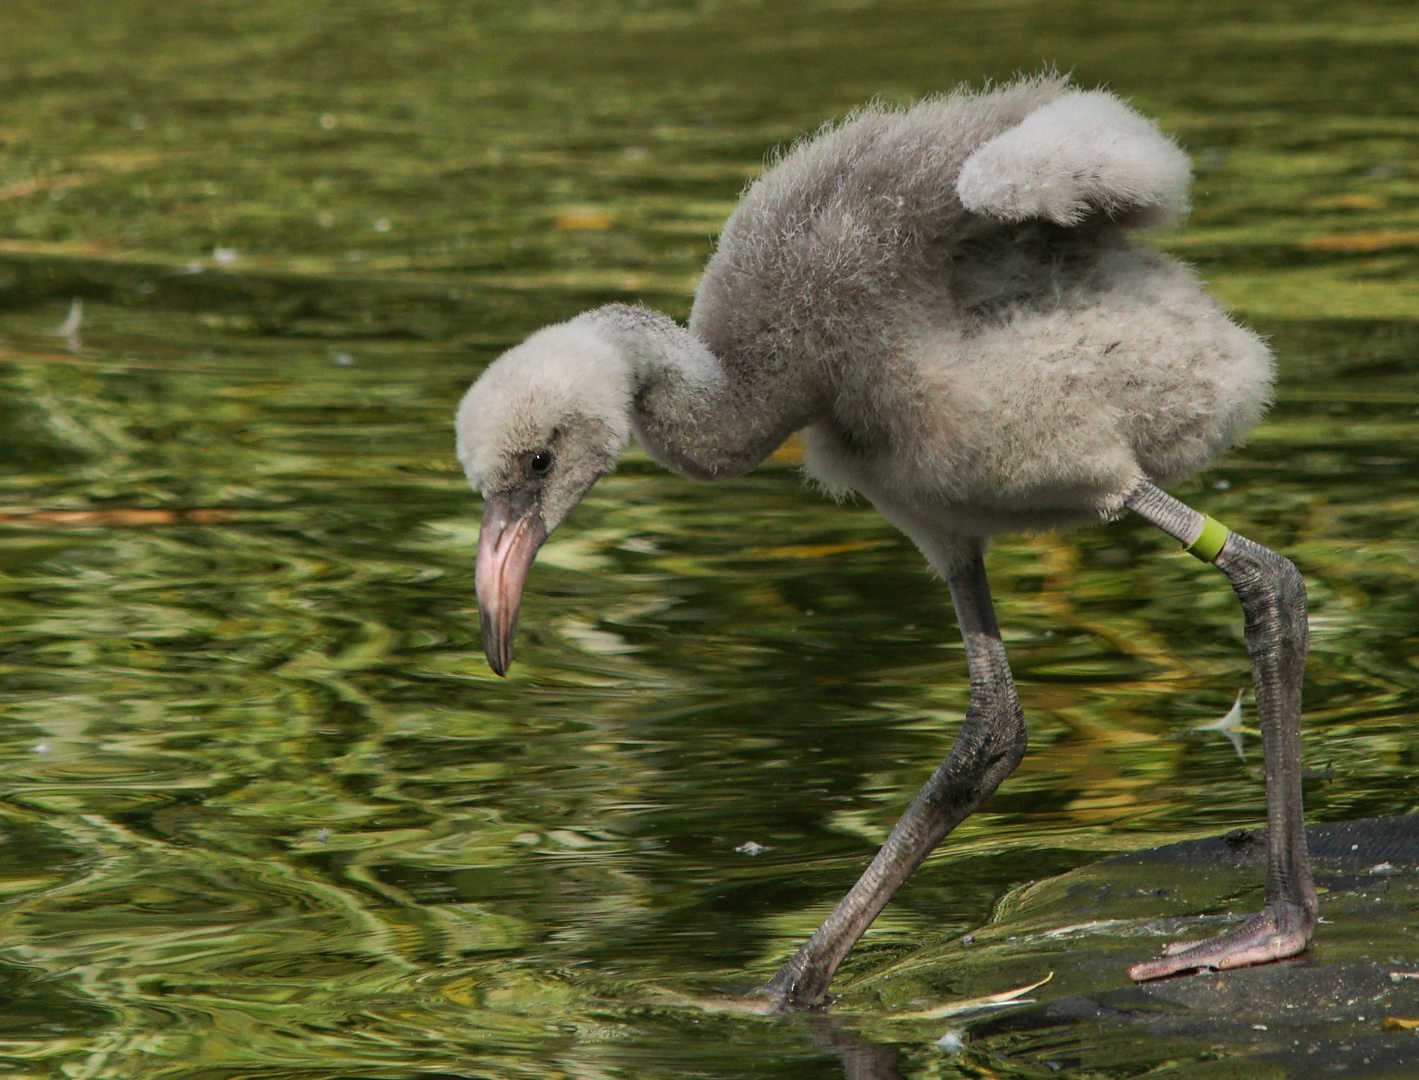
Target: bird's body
x,y
993,375
949,303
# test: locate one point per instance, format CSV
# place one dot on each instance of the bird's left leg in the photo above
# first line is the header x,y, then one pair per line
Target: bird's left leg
x,y
1273,599
987,748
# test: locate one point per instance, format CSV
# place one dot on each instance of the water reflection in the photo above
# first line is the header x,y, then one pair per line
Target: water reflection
x,y
861,1060
266,811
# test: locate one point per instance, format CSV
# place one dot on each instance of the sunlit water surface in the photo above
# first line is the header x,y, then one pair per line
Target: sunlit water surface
x,y
266,811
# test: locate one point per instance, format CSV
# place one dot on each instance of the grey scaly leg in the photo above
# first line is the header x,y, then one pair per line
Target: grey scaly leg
x,y
989,745
1273,599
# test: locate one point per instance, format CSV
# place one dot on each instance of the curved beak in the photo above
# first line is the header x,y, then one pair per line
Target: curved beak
x,y
512,532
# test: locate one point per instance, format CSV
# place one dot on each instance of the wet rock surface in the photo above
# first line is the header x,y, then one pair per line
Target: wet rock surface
x,y
1331,1011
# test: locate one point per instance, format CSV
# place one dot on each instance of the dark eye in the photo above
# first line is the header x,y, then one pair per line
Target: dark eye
x,y
540,462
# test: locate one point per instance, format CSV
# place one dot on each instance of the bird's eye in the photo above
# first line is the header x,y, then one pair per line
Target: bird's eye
x,y
540,462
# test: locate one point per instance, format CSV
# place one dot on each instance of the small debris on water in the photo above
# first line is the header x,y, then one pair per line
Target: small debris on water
x,y
329,121
44,748
969,939
749,847
1398,976
322,836
193,266
1382,868
1258,1027
951,1041
986,1003
343,359
383,224
69,328
225,256
583,218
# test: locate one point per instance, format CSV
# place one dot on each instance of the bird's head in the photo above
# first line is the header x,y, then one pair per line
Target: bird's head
x,y
538,428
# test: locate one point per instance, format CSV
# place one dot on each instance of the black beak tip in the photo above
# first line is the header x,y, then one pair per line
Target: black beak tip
x,y
496,648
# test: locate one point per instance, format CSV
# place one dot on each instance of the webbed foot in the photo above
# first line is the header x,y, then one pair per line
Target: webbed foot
x,y
1281,930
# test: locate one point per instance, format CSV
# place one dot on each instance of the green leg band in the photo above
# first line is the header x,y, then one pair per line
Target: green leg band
x,y
1209,544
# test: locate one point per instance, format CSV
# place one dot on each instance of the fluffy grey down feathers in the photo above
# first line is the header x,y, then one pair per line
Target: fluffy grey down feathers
x,y
944,299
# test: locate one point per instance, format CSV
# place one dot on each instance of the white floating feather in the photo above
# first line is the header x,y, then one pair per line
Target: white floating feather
x,y
1230,725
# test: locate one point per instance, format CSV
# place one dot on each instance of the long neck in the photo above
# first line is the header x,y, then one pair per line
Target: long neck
x,y
688,410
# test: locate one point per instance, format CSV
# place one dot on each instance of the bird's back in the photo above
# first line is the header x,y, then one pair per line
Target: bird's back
x,y
840,223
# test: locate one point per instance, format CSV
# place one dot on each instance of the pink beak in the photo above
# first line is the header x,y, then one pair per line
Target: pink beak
x,y
506,548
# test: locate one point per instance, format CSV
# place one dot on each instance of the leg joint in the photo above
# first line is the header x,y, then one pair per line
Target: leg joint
x,y
1262,576
993,739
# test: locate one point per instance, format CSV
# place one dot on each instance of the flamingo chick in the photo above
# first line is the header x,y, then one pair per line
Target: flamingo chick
x,y
946,301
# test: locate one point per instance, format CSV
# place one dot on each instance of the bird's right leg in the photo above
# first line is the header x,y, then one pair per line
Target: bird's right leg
x,y
987,748
1273,598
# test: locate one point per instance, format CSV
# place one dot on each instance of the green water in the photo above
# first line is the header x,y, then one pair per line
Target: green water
x,y
266,811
